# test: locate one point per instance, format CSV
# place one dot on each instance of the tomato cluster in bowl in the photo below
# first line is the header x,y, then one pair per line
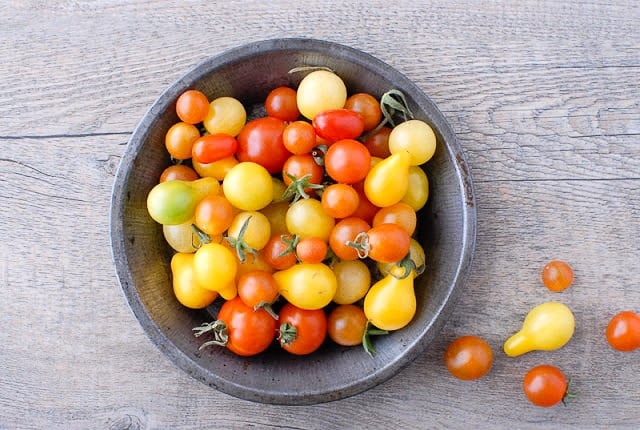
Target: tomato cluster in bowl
x,y
299,218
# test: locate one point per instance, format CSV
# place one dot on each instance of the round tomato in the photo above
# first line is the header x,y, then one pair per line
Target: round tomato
x,y
399,213
306,218
385,243
354,280
185,288
214,214
338,124
418,189
307,285
340,200
303,169
241,329
226,115
214,268
468,357
311,250
320,90
258,290
623,331
415,137
302,331
347,161
213,147
192,106
249,230
279,251
346,325
378,143
281,103
181,172
367,106
545,385
557,275
345,231
299,137
260,141
248,186
179,140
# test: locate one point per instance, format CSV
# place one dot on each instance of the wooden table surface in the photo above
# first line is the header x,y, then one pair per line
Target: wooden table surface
x,y
545,99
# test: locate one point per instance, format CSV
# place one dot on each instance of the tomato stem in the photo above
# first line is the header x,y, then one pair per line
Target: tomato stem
x,y
298,188
291,242
239,244
408,265
568,394
287,333
219,330
361,244
267,307
392,103
202,237
309,69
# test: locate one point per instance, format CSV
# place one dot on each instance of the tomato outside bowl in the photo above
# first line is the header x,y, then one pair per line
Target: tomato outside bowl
x,y
446,230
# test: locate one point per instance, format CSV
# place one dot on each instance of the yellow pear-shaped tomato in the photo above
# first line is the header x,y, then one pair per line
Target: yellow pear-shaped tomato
x,y
390,303
546,327
307,285
387,182
214,268
172,202
185,287
206,186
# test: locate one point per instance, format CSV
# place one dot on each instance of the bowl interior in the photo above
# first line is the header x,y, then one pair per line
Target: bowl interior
x,y
141,256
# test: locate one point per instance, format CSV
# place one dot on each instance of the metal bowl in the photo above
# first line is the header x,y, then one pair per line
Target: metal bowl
x,y
141,256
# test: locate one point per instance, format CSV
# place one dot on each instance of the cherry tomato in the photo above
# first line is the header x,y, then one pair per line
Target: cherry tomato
x,y
214,214
623,331
545,385
367,106
281,103
306,218
179,140
185,288
300,166
276,213
346,325
213,147
181,237
299,137
338,124
468,357
248,186
386,243
347,161
302,331
257,289
307,285
214,268
279,252
354,280
241,329
260,141
251,228
365,210
172,202
557,275
181,172
415,137
226,115
346,230
378,143
320,90
418,189
311,250
192,106
399,213
340,200
217,169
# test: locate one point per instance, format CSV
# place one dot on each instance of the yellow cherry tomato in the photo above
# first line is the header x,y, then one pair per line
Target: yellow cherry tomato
x,y
185,288
248,186
307,285
390,303
307,218
320,90
417,256
546,327
252,228
387,182
415,137
214,268
354,280
418,190
276,213
181,237
226,115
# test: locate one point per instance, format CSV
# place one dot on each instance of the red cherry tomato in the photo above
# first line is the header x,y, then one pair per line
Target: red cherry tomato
x,y
311,250
192,106
338,124
344,231
347,161
299,137
213,147
545,385
557,275
279,252
260,141
367,106
385,243
281,103
300,165
623,331
468,357
302,331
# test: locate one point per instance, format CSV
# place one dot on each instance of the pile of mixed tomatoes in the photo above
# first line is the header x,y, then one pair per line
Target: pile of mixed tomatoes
x,y
300,219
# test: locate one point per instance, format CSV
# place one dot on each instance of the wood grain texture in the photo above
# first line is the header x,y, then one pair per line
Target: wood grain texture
x,y
544,96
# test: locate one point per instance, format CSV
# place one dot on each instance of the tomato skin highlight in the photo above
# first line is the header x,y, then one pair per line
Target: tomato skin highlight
x,y
213,147
623,331
468,357
338,124
545,385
